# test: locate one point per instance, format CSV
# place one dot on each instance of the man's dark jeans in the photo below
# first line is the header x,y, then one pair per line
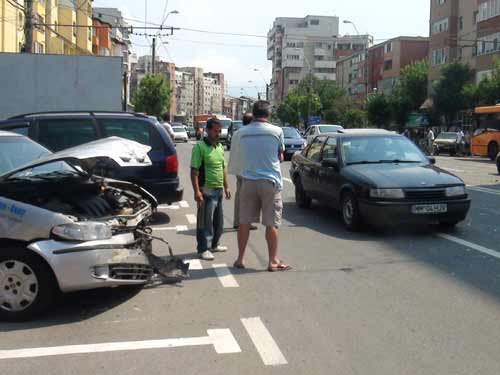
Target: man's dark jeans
x,y
210,220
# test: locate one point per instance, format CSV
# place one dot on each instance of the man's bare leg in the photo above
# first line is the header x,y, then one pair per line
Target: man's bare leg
x,y
243,234
272,245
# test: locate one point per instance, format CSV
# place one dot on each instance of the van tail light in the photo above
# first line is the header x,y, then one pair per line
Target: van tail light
x,y
171,164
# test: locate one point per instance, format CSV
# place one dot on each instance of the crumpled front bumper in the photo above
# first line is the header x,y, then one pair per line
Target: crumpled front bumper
x,y
96,264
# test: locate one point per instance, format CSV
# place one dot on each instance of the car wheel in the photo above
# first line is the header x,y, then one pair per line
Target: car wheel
x,y
351,216
26,284
492,150
498,165
301,198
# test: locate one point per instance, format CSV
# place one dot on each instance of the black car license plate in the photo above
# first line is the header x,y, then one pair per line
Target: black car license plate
x,y
426,209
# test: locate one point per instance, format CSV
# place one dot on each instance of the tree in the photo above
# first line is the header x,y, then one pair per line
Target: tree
x,y
297,105
152,96
413,84
400,106
378,111
449,98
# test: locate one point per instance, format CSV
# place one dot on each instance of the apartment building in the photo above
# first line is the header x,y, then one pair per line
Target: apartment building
x,y
466,31
387,59
184,84
352,75
298,47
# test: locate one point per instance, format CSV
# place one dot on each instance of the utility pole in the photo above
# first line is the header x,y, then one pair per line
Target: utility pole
x,y
154,55
28,26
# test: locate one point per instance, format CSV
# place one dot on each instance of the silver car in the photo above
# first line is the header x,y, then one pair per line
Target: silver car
x,y
63,228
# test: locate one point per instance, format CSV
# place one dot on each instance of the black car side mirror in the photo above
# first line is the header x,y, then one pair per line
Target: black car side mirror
x,y
330,163
431,159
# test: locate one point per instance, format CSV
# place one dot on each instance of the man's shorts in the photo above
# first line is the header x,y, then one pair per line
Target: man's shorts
x,y
258,196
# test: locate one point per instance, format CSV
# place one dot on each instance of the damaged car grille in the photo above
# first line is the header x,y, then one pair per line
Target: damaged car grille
x,y
130,272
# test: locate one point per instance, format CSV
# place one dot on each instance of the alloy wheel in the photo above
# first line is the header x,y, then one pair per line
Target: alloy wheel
x,y
18,286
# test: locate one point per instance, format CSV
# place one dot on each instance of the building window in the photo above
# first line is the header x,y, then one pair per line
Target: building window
x,y
314,22
39,22
38,47
460,23
441,2
440,26
74,29
388,48
90,34
489,9
388,65
488,44
439,56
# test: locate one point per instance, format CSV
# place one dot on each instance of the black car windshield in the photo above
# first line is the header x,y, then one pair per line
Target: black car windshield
x,y
380,149
225,123
17,151
447,136
291,133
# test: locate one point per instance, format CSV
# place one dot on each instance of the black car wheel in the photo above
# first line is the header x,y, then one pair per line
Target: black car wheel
x,y
301,198
351,216
27,285
492,150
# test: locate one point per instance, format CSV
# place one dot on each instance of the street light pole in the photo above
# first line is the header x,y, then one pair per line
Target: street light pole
x,y
154,40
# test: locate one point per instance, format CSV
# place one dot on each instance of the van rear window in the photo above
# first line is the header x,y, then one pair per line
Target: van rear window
x,y
134,130
60,134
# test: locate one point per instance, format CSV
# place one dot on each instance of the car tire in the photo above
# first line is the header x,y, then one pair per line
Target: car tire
x,y
21,269
301,198
492,150
498,165
349,210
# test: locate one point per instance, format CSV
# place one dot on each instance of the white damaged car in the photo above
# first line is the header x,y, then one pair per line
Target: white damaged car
x,y
63,228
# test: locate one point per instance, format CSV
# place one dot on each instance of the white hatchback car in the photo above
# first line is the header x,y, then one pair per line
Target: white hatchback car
x,y
315,130
180,134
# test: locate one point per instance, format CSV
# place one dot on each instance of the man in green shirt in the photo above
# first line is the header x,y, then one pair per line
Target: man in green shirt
x,y
209,179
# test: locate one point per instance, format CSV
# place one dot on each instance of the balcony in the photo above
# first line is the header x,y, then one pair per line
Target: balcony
x,y
327,76
320,52
325,64
293,63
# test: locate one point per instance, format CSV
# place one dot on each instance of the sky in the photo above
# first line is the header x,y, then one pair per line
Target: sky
x,y
238,57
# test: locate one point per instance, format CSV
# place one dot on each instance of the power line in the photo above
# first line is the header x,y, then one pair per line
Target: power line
x,y
218,43
222,33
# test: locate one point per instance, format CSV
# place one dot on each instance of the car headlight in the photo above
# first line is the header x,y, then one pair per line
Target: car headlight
x,y
456,191
85,231
387,193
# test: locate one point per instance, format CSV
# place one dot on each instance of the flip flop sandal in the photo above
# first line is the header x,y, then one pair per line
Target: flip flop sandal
x,y
239,266
280,267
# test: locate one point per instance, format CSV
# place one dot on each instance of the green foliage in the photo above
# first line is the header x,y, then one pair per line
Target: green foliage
x,y
449,98
413,84
378,110
152,96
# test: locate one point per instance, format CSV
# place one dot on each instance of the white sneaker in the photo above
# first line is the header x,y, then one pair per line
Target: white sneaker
x,y
207,255
219,249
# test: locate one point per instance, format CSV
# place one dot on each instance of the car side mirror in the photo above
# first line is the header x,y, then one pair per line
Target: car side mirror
x,y
330,163
431,159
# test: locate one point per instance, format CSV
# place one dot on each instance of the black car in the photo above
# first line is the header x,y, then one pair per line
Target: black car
x,y
293,142
61,130
377,177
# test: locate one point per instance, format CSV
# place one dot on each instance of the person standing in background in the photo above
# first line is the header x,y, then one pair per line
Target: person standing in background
x,y
166,124
235,169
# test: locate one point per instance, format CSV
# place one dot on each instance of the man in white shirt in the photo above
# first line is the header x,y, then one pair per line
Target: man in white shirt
x,y
460,142
430,141
168,127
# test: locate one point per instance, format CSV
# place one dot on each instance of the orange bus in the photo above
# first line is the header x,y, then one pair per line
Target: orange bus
x,y
486,138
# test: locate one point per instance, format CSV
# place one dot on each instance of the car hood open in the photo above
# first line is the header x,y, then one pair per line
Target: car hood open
x,y
119,151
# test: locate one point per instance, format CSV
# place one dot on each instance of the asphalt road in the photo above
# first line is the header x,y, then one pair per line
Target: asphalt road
x,y
408,301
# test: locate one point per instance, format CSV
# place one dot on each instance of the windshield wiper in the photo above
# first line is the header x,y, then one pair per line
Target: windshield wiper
x,y
363,162
398,161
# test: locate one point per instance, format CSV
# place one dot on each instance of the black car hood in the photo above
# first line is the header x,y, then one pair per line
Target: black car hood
x,y
402,175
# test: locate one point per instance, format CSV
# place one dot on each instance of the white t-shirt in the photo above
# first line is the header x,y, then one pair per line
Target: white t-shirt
x,y
169,129
430,135
460,137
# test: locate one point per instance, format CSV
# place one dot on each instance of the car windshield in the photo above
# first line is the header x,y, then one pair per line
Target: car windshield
x,y
291,133
17,151
237,125
329,128
380,149
447,136
225,123
178,129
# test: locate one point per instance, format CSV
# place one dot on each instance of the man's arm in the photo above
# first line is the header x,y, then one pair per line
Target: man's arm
x,y
198,195
281,149
226,185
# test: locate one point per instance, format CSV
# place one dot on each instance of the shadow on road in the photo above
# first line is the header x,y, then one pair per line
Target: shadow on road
x,y
419,242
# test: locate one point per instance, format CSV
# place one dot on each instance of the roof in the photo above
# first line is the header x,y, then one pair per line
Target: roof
x,y
4,133
401,38
486,110
77,113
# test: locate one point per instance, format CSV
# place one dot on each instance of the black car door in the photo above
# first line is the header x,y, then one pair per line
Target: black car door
x,y
311,166
328,175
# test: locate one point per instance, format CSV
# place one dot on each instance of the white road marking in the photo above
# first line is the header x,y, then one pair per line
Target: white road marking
x,y
168,207
191,218
266,346
222,340
287,180
471,245
184,204
194,264
178,228
483,190
453,170
225,276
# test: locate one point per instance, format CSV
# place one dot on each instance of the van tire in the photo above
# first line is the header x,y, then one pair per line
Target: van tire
x,y
493,150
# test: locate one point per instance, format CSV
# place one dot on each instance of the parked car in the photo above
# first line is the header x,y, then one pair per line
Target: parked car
x,y
233,128
314,130
293,142
64,229
191,132
377,177
180,134
497,161
60,130
446,142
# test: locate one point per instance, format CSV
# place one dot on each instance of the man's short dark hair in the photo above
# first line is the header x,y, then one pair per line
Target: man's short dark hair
x,y
166,116
247,118
211,122
261,109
